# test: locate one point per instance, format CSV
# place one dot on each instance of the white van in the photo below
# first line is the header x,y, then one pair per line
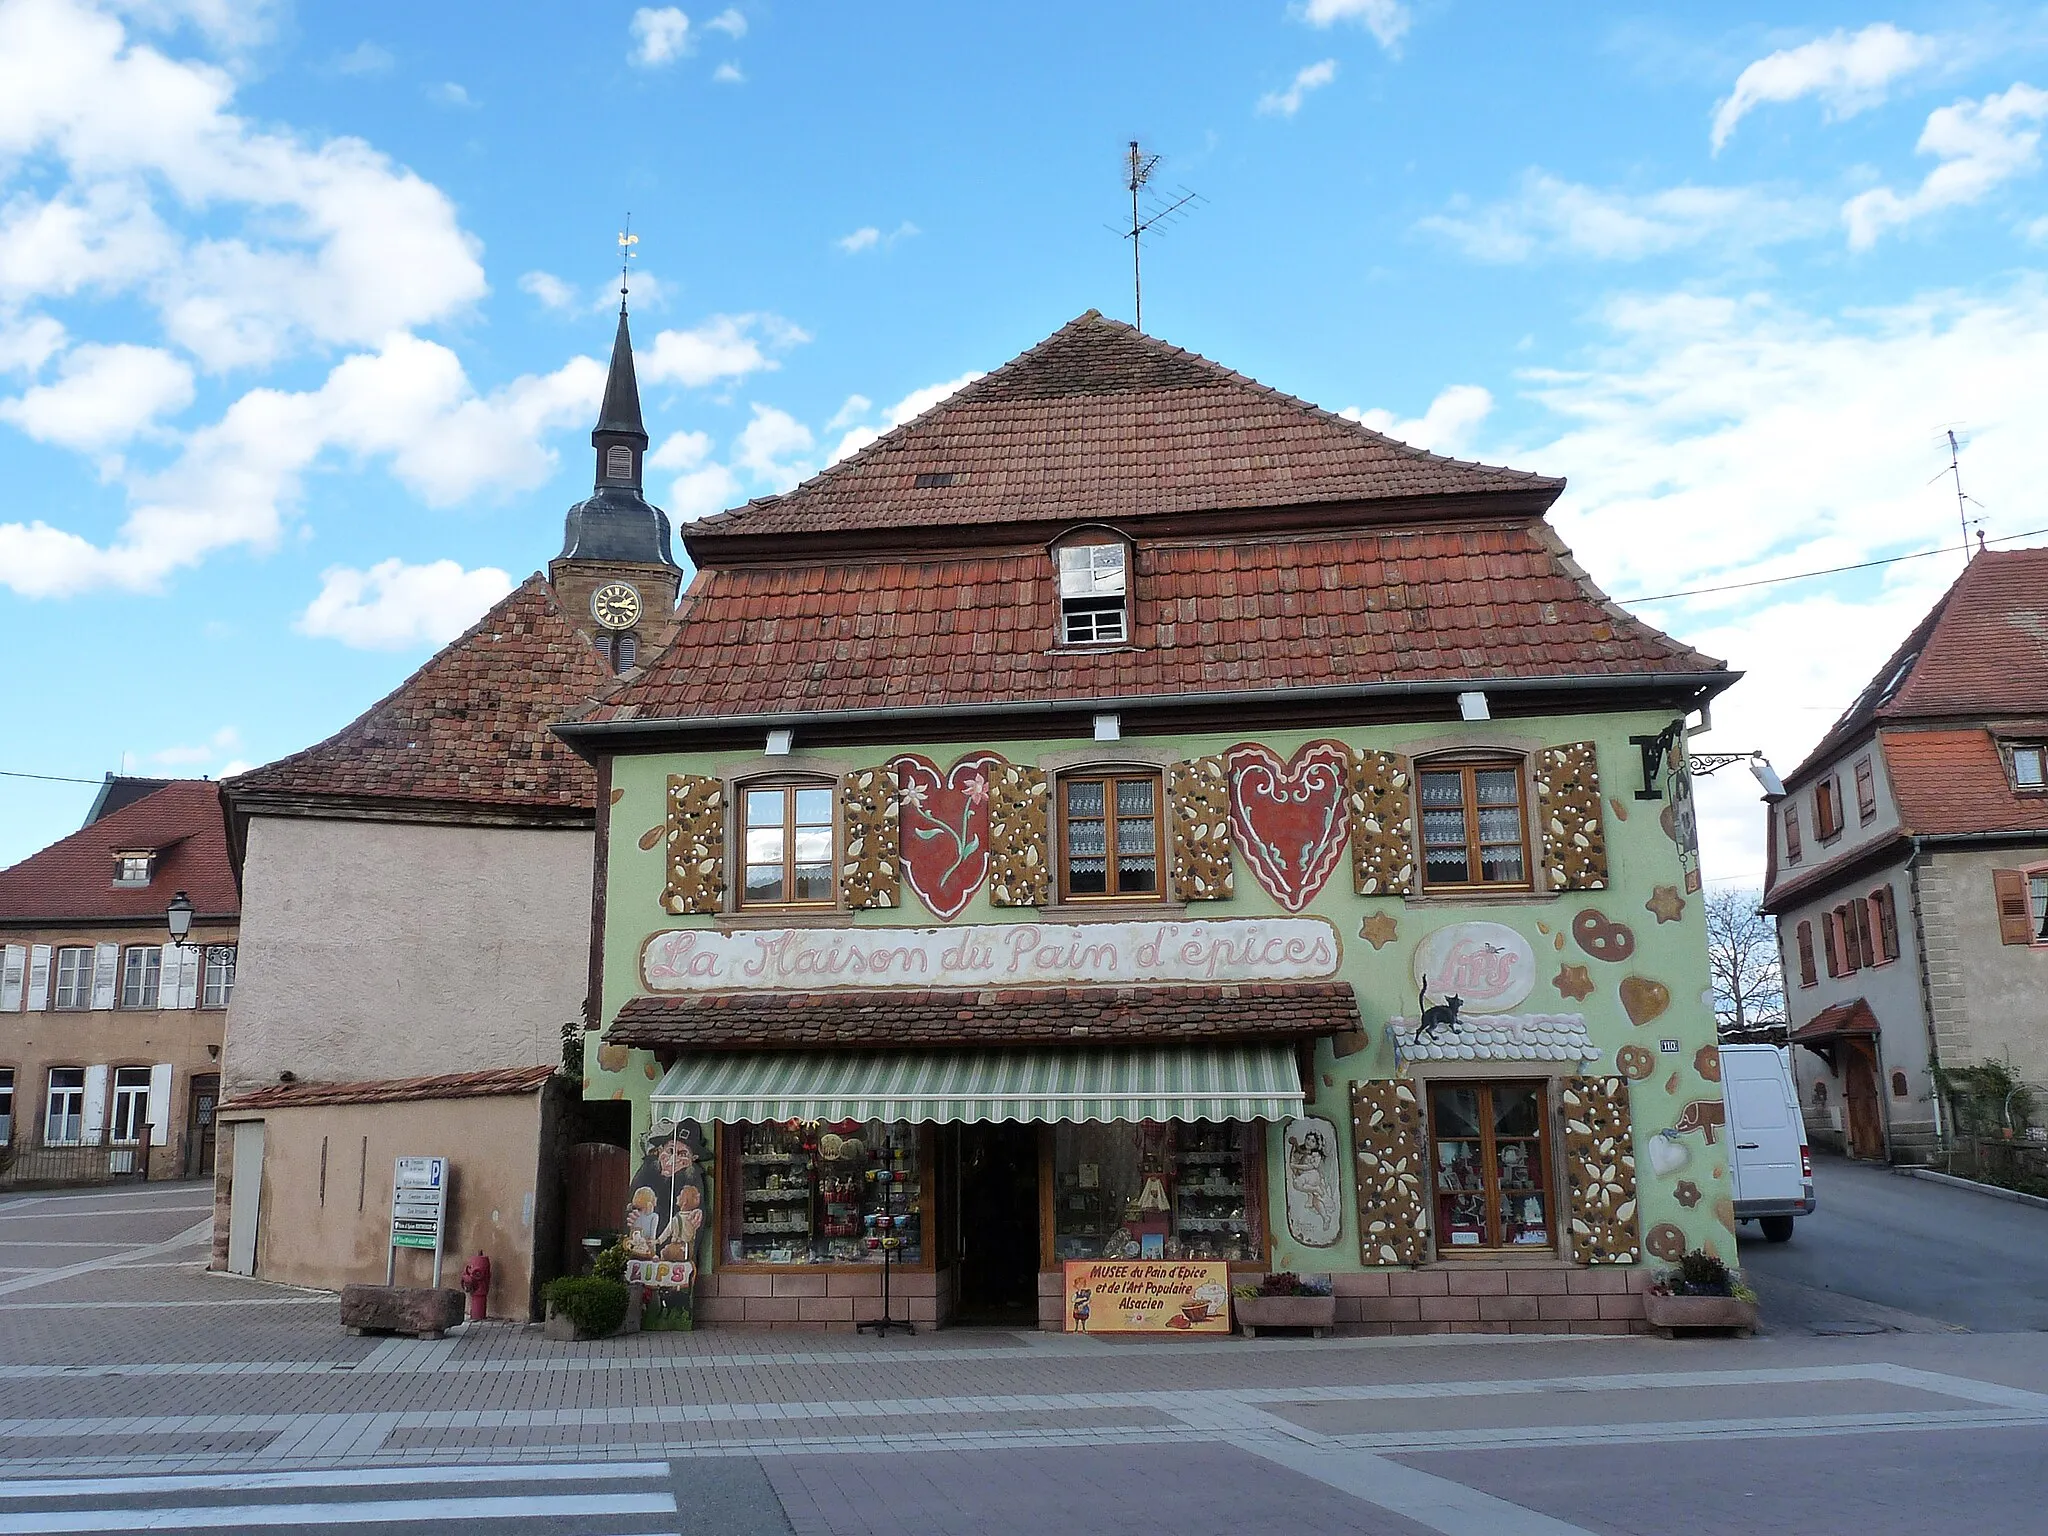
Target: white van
x,y
1769,1165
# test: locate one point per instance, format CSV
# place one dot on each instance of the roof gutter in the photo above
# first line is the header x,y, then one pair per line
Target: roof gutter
x,y
1704,685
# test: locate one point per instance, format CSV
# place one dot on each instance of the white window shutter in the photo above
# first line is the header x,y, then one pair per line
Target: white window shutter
x,y
95,1119
189,959
13,963
106,967
38,977
160,1104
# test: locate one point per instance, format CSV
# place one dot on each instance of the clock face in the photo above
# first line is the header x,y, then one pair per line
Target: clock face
x,y
616,605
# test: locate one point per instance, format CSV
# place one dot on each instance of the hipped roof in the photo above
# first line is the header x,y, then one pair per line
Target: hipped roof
x,y
72,880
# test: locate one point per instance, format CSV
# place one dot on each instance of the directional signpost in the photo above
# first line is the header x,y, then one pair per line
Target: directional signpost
x,y
419,1210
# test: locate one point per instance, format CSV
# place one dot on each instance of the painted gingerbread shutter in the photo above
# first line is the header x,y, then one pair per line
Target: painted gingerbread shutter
x,y
1568,801
1382,825
696,845
1198,792
1600,1162
1389,1162
1020,863
871,861
2015,909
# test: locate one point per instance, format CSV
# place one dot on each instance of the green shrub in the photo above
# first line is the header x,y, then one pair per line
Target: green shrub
x,y
596,1306
610,1263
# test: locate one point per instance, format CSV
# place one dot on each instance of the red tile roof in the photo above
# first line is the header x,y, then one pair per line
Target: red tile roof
x,y
469,728
1010,1017
1831,1023
1955,781
1424,605
1981,650
456,1085
1100,421
73,878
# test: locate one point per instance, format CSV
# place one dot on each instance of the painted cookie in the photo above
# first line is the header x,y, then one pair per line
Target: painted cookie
x,y
1636,1062
1707,1062
1602,938
1643,999
1665,1242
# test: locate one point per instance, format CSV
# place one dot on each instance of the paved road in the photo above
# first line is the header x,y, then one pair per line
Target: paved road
x,y
138,1393
1884,1250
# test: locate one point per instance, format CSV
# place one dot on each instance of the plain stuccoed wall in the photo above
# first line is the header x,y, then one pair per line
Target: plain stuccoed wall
x,y
374,950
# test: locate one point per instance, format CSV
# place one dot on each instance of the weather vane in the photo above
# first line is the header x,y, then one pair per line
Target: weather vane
x,y
627,240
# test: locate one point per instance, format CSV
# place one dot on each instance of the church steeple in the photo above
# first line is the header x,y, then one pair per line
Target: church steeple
x,y
617,523
618,419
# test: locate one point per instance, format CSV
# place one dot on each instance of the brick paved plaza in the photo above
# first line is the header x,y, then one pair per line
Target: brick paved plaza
x,y
139,1392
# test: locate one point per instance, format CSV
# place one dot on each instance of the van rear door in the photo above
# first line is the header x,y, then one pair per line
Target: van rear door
x,y
1764,1133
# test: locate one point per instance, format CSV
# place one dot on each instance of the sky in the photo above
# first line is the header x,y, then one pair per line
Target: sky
x,y
302,309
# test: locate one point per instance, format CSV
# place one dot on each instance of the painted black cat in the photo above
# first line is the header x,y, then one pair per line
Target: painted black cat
x,y
1443,1016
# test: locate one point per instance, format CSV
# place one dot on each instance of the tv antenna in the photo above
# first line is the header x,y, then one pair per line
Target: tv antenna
x,y
1963,501
1158,215
627,240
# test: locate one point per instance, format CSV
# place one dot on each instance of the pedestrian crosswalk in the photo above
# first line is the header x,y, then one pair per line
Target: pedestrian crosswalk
x,y
612,1499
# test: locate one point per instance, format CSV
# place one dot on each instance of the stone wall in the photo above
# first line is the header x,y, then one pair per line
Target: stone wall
x,y
826,1301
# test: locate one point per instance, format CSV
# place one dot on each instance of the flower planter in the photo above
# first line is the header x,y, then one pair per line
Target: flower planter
x,y
1675,1313
1315,1313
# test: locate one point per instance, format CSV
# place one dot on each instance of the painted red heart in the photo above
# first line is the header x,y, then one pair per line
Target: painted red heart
x,y
944,827
1291,819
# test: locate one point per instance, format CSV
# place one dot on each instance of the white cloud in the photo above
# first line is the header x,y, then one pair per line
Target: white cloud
x,y
104,237
1387,20
1447,427
730,22
104,395
704,491
25,345
552,292
1979,144
768,446
224,743
659,36
680,450
914,404
1848,71
366,58
321,242
728,73
450,94
870,238
393,605
1288,102
1548,215
230,24
722,347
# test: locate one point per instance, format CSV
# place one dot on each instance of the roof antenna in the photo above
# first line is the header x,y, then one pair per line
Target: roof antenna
x,y
1963,502
1138,169
627,240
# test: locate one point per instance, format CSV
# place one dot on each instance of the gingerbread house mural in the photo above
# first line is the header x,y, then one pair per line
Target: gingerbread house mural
x,y
1130,816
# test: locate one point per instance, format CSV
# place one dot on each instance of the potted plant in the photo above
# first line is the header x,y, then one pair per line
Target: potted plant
x,y
1286,1300
1700,1293
584,1307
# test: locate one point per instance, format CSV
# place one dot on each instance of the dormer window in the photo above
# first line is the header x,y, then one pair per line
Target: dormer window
x,y
1094,590
132,869
618,462
2029,766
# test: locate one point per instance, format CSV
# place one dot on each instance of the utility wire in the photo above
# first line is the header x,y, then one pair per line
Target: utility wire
x,y
1833,570
48,778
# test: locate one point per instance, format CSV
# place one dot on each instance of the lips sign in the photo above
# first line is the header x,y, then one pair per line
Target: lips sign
x,y
944,828
1290,818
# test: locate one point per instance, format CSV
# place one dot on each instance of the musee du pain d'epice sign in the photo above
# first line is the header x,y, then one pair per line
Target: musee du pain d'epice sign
x,y
1058,833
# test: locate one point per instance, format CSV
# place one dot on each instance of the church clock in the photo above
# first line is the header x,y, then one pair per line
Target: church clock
x,y
616,605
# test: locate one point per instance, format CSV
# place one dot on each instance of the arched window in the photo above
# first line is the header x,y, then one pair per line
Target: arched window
x,y
1093,566
1109,835
618,462
785,837
1475,827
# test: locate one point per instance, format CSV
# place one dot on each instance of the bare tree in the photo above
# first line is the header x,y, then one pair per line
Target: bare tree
x,y
1742,957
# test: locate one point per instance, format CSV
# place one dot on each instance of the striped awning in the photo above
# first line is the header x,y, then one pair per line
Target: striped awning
x,y
1252,1082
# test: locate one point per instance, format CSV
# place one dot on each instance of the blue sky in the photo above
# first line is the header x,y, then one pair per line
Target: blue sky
x,y
301,308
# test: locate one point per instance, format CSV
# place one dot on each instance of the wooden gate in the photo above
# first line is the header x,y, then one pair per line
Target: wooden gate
x,y
594,1203
1863,1119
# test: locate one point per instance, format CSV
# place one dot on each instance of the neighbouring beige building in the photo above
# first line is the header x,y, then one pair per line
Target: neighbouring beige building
x,y
110,1036
418,888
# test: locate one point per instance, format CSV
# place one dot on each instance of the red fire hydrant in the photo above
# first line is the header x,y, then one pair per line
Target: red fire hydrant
x,y
476,1280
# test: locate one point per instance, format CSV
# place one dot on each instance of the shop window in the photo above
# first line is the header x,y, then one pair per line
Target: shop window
x,y
131,1103
220,976
1157,1191
1827,808
1866,789
1094,590
64,1118
1792,833
1491,1159
1807,978
141,972
74,977
808,1193
1109,836
787,846
1473,830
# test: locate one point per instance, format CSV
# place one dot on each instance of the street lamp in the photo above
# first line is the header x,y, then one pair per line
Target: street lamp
x,y
179,917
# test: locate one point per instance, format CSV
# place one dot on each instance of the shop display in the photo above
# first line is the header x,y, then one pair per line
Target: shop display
x,y
1490,1185
1180,1191
813,1194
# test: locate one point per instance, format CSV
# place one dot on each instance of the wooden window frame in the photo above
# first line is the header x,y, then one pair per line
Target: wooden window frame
x,y
205,980
1470,768
1547,1183
1866,789
1793,851
2012,752
1827,808
1866,946
1831,941
90,951
788,789
1109,778
1808,975
121,980
1094,607
1884,924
